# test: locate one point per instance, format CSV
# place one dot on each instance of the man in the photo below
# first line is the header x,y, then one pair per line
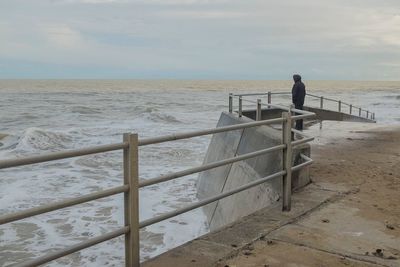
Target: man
x,y
298,95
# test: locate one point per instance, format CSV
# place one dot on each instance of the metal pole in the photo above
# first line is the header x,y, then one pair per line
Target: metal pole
x,y
292,113
322,102
230,102
287,161
131,201
240,106
258,112
340,106
359,112
351,108
269,97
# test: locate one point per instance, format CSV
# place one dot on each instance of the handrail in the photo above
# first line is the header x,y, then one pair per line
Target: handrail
x,y
61,204
60,155
289,109
302,141
174,137
322,98
131,184
307,162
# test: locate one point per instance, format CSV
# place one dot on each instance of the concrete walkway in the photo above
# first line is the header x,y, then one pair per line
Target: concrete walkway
x,y
349,215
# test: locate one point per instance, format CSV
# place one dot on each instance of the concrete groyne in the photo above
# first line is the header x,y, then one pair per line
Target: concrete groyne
x,y
225,178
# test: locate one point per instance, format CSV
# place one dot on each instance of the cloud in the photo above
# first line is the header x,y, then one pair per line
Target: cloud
x,y
190,14
242,39
62,36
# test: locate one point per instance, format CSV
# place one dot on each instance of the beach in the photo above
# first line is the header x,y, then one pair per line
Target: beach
x,y
361,225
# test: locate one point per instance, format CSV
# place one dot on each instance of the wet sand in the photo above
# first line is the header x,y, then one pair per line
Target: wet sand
x,y
361,227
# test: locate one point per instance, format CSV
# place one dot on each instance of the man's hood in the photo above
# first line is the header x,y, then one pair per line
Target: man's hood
x,y
296,78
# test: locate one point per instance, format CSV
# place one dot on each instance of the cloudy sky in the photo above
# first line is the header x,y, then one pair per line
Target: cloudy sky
x,y
200,39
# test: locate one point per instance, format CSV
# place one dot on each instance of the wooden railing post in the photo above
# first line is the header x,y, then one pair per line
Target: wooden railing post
x,y
240,106
230,103
340,106
269,97
351,108
258,111
359,112
367,114
321,105
287,161
131,200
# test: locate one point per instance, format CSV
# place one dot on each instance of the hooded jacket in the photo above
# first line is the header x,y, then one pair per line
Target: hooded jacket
x,y
298,91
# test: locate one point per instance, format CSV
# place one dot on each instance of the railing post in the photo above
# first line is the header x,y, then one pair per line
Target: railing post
x,y
340,106
230,102
373,116
359,112
287,161
367,114
351,108
321,105
131,200
240,106
269,97
291,113
258,112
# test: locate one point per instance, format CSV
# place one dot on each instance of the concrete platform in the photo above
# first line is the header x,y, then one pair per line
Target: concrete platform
x,y
214,248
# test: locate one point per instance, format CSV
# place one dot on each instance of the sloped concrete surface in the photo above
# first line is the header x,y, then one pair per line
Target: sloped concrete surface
x,y
229,177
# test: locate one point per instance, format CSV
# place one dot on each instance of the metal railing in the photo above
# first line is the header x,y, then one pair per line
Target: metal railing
x,y
361,112
131,184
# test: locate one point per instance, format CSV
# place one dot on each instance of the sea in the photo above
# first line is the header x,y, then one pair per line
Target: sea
x,y
42,116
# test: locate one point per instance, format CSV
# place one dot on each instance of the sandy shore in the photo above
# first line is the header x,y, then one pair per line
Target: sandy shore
x,y
360,228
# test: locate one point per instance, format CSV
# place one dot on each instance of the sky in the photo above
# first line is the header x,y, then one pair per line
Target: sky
x,y
200,39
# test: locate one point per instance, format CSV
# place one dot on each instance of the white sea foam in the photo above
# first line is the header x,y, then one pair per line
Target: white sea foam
x,y
56,116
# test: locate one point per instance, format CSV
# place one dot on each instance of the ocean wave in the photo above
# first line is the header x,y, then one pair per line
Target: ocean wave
x,y
8,141
160,117
85,110
150,110
392,96
34,139
3,136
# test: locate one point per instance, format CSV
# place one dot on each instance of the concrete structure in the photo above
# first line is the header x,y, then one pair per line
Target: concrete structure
x,y
229,144
329,115
321,114
225,178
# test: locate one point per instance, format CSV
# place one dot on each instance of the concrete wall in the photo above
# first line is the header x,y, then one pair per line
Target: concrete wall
x,y
226,178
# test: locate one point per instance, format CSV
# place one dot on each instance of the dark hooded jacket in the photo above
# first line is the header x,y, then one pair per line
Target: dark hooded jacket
x,y
298,91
